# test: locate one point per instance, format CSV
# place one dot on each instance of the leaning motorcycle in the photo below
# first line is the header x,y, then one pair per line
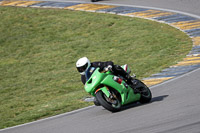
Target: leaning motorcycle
x,y
112,92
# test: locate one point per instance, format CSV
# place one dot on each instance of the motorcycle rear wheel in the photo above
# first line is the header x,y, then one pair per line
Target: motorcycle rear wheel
x,y
145,92
107,103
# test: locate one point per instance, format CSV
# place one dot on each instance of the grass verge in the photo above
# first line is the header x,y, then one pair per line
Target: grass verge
x,y
39,48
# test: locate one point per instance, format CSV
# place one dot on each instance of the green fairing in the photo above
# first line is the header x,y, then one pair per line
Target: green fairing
x,y
94,81
106,79
127,94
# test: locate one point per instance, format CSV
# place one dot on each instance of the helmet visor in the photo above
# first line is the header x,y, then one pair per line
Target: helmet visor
x,y
82,68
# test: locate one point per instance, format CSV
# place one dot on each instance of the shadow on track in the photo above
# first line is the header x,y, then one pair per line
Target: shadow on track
x,y
154,99
158,98
98,0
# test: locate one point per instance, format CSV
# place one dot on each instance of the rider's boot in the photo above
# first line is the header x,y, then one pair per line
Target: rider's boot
x,y
118,70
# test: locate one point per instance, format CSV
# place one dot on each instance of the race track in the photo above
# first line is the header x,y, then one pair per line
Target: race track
x,y
174,108
189,6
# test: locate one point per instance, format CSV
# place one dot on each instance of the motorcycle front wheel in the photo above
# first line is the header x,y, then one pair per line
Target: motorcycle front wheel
x,y
111,104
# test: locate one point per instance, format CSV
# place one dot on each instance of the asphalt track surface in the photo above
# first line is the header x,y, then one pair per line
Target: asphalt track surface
x,y
188,6
174,108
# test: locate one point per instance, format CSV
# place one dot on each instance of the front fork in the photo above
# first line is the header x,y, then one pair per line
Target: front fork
x,y
105,90
110,97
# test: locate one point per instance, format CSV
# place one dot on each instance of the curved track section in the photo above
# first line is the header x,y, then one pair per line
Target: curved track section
x,y
174,108
189,6
175,105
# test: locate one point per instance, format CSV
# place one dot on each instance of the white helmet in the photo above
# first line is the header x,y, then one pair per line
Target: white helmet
x,y
82,65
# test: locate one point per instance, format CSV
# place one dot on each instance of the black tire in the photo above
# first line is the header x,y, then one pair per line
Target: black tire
x,y
101,97
96,102
93,0
145,92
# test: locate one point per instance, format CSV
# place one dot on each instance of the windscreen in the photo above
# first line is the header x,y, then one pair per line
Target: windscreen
x,y
89,72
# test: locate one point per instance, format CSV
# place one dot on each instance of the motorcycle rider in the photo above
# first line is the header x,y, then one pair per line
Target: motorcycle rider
x,y
83,64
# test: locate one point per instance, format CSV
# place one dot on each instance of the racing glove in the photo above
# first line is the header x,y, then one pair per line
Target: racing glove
x,y
108,68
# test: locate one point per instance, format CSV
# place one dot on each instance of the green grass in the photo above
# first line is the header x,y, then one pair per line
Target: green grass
x,y
39,48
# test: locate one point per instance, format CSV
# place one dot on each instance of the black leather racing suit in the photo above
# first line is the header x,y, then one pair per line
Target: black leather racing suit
x,y
117,70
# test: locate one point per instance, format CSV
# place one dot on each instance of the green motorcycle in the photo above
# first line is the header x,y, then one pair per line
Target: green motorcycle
x,y
112,92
